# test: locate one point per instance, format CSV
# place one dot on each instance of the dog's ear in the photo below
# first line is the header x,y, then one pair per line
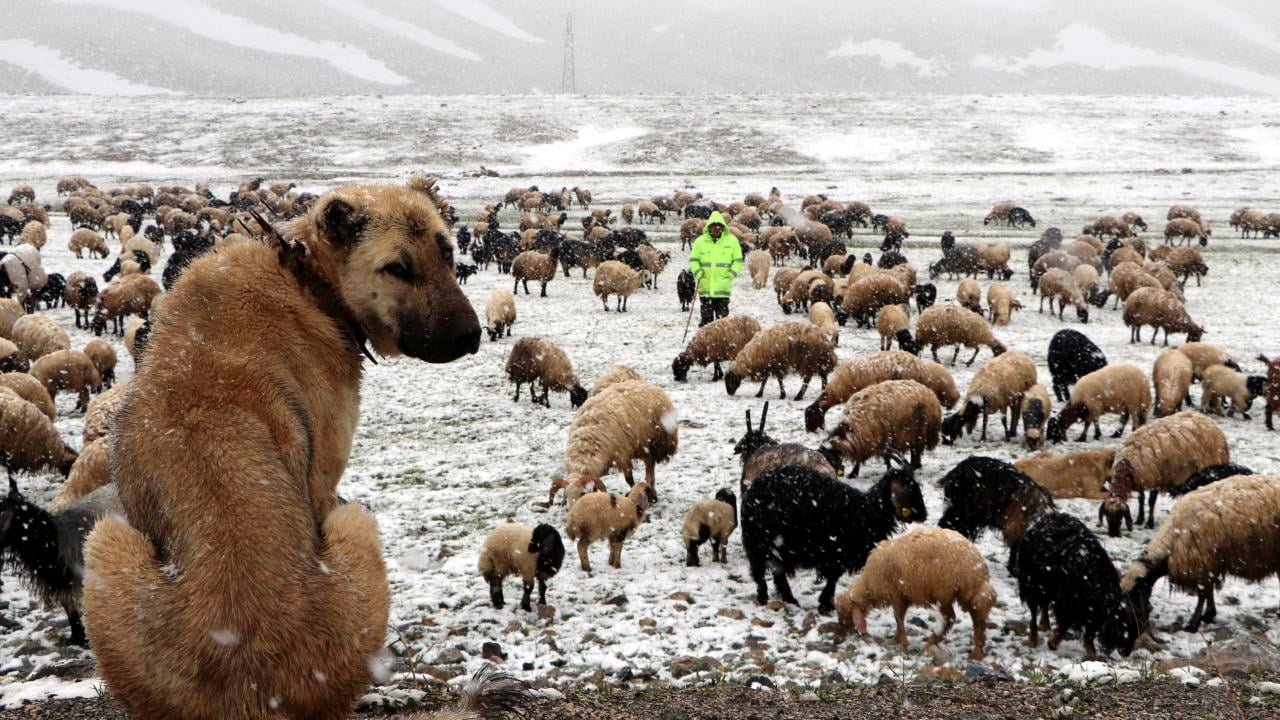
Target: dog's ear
x,y
340,221
420,182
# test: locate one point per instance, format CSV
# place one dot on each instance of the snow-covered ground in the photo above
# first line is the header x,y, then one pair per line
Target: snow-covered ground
x,y
442,455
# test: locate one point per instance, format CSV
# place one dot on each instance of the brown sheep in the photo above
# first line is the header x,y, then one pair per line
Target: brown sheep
x,y
1001,304
37,336
12,359
615,278
127,295
969,295
80,294
605,516
1070,475
758,262
1161,456
888,418
797,347
67,370
942,325
1171,375
864,371
1127,277
10,311
535,360
531,553
710,519
1186,230
1160,309
864,297
716,342
998,386
629,420
33,233
85,239
31,442
100,416
31,390
500,314
1120,388
92,470
536,266
1059,285
891,322
927,566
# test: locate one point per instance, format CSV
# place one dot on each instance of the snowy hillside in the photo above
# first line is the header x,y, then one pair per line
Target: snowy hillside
x,y
241,47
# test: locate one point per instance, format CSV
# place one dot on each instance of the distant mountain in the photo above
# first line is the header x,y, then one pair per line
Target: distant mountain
x,y
336,47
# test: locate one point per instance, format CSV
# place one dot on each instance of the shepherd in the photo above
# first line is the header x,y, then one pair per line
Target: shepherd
x,y
716,259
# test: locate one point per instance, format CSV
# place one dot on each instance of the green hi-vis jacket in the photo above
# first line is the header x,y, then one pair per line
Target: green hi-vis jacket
x,y
715,263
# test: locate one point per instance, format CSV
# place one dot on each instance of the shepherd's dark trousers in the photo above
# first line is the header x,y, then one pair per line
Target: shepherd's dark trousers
x,y
713,309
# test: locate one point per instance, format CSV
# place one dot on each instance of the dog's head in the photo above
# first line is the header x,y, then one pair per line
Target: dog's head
x,y
388,254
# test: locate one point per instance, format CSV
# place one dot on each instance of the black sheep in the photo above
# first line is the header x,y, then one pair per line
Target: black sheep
x,y
983,492
701,211
794,517
686,287
839,221
47,549
463,271
463,239
820,253
187,246
51,293
9,227
1019,217
1208,476
1071,357
576,253
1060,565
877,222
890,259
926,296
892,242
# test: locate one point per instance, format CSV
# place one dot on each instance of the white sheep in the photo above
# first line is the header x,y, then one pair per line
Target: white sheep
x,y
942,325
605,516
890,417
1121,388
628,421
535,554
499,314
615,278
794,347
710,519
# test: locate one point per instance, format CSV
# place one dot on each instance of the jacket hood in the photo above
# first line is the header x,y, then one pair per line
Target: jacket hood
x,y
716,219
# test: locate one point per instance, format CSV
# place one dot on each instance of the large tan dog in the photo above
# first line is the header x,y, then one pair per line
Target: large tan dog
x,y
236,586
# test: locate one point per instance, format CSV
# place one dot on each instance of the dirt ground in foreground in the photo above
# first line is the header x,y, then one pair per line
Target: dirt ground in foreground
x,y
985,700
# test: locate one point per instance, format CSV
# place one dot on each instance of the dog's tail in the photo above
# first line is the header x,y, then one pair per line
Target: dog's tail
x,y
489,695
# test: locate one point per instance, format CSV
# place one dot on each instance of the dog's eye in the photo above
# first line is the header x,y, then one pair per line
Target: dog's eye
x,y
398,271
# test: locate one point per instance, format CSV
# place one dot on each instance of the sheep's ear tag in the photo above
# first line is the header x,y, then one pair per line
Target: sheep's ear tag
x,y
906,512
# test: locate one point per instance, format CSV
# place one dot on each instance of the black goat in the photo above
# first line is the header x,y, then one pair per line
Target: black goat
x,y
839,221
983,492
794,517
463,239
10,228
1061,566
187,246
926,296
463,271
1071,357
140,257
47,549
1019,217
686,288
701,211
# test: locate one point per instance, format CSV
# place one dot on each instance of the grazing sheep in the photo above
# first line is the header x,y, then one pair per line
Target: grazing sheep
x,y
927,566
794,517
80,293
1061,566
615,374
999,213
943,325
1160,309
1171,375
983,492
864,297
969,295
37,336
1184,262
1186,230
67,370
31,390
615,278
758,262
1162,456
864,371
782,281
1071,357
794,347
759,452
823,318
1070,475
1204,356
1086,278
1051,260
1119,389
605,516
536,266
629,420
1208,476
31,442
10,311
1273,387
21,194
716,342
1225,529
894,416
1127,277
1060,285
92,470
892,324
46,548
534,359
86,239
12,359
712,520
808,283
1222,384
127,295
1001,303
998,386
532,553
499,314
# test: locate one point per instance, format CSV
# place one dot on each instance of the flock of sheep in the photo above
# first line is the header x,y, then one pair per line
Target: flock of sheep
x,y
795,510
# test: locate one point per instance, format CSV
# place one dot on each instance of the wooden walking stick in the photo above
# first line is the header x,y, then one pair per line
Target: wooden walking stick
x,y
689,322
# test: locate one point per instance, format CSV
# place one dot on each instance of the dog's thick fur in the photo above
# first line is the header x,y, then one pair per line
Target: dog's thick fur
x,y
236,586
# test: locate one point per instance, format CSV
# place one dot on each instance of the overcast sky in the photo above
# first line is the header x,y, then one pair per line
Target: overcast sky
x,y
321,47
